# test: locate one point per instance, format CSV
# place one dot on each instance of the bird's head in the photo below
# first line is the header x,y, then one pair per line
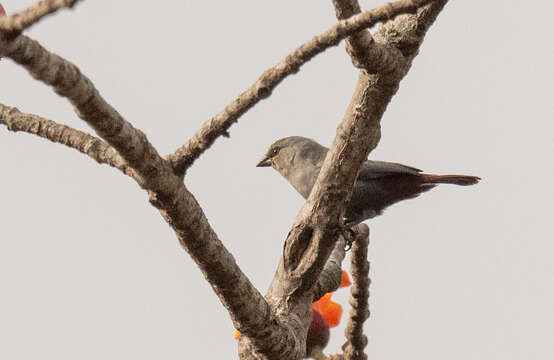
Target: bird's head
x,y
297,159
287,153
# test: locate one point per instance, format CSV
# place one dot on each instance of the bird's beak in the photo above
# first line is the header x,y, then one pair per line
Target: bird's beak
x,y
266,161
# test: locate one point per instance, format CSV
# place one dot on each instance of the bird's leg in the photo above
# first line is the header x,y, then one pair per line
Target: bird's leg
x,y
349,236
348,225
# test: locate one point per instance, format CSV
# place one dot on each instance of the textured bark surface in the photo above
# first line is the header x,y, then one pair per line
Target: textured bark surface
x,y
315,231
23,20
154,174
274,326
363,50
85,143
331,275
356,341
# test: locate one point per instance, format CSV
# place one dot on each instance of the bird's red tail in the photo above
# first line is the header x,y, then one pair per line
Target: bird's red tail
x,y
450,179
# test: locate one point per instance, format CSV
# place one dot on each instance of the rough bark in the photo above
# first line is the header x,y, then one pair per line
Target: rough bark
x,y
363,50
356,341
331,275
273,327
246,305
25,19
85,143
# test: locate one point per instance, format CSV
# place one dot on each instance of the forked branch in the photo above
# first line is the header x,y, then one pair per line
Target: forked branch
x,y
247,307
66,79
364,51
311,240
274,327
219,125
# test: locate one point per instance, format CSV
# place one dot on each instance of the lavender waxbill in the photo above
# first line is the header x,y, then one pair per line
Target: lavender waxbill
x,y
379,184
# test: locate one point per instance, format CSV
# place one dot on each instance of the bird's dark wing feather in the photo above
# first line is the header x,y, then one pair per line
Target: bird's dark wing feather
x,y
376,169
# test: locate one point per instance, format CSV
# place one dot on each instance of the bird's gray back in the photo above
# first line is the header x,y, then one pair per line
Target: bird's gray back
x,y
372,169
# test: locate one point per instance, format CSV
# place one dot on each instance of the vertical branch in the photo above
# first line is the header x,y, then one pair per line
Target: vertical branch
x,y
356,341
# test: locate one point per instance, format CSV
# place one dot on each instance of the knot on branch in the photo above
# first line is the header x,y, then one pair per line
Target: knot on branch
x,y
296,244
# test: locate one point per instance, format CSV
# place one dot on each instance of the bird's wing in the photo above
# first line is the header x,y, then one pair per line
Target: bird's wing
x,y
376,169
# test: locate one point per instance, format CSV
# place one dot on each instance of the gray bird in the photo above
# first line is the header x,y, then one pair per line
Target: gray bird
x,y
379,184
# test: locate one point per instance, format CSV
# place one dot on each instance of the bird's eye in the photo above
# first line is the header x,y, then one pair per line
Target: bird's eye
x,y
274,151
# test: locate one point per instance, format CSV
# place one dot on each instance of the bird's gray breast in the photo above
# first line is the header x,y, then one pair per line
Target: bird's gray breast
x,y
303,177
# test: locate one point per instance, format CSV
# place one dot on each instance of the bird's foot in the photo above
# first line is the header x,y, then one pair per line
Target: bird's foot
x,y
349,237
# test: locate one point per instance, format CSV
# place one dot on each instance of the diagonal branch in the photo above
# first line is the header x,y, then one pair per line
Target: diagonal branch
x,y
219,125
85,143
247,307
359,294
23,20
69,82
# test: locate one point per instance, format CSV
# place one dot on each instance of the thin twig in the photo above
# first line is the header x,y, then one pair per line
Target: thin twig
x,y
26,18
219,125
85,143
356,341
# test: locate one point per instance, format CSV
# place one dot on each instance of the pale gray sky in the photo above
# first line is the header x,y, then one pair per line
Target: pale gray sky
x,y
89,270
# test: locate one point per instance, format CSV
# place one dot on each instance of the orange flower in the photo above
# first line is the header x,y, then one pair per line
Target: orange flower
x,y
345,281
330,310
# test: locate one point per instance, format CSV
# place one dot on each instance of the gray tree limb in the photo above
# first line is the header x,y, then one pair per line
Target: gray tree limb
x,y
274,327
85,143
247,307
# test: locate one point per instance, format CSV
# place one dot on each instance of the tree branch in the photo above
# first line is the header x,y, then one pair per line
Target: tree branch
x,y
359,294
219,125
23,20
275,328
358,43
363,50
67,81
247,307
85,143
331,275
317,226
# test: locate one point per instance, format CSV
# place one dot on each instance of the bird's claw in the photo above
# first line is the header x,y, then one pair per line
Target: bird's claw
x,y
349,237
